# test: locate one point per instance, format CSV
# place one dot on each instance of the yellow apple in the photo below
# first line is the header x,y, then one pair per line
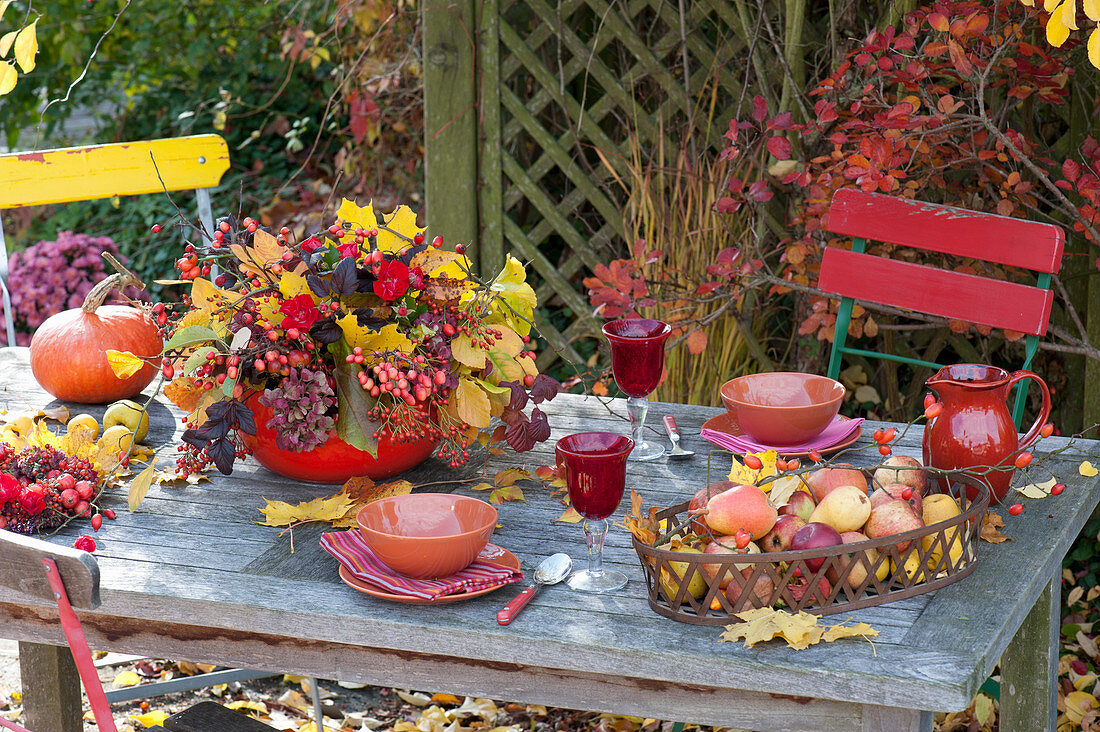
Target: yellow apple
x,y
83,422
129,414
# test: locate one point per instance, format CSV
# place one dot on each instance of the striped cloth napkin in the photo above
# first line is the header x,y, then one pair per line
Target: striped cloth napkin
x,y
355,556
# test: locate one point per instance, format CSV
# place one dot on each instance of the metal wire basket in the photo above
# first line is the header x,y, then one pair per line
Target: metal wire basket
x,y
824,581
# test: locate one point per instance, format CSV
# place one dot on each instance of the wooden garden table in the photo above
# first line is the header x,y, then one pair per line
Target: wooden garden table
x,y
192,576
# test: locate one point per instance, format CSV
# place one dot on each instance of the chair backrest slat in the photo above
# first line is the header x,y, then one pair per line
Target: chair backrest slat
x,y
935,291
948,230
21,569
118,169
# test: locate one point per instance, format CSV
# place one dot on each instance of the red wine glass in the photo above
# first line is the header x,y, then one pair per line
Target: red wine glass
x,y
638,360
594,464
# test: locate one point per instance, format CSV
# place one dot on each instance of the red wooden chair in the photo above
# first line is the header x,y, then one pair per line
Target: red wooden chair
x,y
70,578
855,275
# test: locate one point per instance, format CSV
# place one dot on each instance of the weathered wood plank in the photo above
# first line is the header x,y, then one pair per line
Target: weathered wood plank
x,y
887,719
1029,666
21,569
51,687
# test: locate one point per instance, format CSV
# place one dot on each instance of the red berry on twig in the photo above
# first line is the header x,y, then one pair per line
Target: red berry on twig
x,y
156,228
929,400
879,436
907,494
1057,488
884,450
753,463
1047,430
815,456
97,521
1016,509
934,410
742,538
1023,460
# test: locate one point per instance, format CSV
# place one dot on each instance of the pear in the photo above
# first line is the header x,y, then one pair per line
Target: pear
x,y
845,508
941,507
670,583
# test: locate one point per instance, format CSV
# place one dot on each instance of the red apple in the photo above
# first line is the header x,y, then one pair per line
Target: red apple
x,y
801,586
824,480
699,500
727,545
914,477
779,538
759,595
815,536
801,504
741,507
896,491
892,517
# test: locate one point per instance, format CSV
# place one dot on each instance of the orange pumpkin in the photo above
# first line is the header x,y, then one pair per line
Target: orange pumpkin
x,y
68,351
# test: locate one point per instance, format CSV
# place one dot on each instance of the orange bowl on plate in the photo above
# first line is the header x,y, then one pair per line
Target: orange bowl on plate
x,y
427,535
783,407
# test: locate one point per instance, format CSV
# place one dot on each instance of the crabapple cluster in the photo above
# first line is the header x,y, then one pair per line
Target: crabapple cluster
x,y
412,382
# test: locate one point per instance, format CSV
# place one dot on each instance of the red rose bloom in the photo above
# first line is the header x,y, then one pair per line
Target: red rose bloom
x,y
300,312
85,543
9,487
32,502
416,275
393,280
349,248
312,244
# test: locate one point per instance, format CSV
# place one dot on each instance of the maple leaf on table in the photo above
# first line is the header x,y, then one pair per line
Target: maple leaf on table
x,y
801,630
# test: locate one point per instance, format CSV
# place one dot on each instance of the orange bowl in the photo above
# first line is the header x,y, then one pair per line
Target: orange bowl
x,y
427,535
784,407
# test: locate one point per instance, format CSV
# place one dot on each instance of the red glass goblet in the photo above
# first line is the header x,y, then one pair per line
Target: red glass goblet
x,y
637,360
594,464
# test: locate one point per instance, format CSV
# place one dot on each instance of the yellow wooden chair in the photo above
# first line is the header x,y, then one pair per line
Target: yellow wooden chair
x,y
104,171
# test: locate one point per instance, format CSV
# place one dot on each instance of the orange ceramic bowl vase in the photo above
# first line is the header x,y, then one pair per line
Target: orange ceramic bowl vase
x,y
427,535
335,461
782,408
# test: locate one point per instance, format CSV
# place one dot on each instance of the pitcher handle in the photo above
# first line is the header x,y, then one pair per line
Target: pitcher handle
x,y
1044,413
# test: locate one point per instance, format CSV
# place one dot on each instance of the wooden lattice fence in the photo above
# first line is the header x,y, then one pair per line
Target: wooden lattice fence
x,y
532,108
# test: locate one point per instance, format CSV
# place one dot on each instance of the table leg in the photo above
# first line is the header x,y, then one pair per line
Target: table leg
x,y
1029,666
895,719
51,688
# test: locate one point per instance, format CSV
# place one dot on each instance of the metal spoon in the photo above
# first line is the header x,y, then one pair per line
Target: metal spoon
x,y
674,435
550,571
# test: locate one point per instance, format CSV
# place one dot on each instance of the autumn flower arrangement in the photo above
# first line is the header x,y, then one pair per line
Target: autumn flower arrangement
x,y
365,331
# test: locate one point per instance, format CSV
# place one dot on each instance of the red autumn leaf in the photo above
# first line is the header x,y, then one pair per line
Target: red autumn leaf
x,y
759,108
696,342
779,147
938,21
781,121
1070,169
759,192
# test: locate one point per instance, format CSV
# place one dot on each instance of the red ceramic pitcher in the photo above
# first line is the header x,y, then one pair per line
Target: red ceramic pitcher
x,y
975,427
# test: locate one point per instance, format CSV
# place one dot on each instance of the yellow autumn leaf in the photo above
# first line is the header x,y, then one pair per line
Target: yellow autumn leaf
x,y
8,77
570,516
1069,14
1094,46
207,297
800,630
1078,704
441,263
252,706
507,493
355,216
508,476
280,513
195,317
4,6
151,719
292,285
1037,490
264,251
401,225
1092,9
388,338
470,403
468,354
126,679
517,299
1057,29
26,47
1087,470
140,486
1049,5
739,473
6,42
123,363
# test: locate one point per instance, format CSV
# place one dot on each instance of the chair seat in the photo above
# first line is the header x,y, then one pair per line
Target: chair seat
x,y
210,716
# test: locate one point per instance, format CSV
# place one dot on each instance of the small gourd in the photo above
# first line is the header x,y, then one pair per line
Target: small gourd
x,y
68,351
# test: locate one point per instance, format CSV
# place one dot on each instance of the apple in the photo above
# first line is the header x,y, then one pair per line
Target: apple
x,y
801,504
859,569
896,491
801,585
824,480
779,538
700,499
759,595
670,582
892,517
815,536
741,507
914,476
727,545
130,415
845,508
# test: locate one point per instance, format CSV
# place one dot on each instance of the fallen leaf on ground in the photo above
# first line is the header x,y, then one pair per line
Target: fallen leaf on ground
x,y
508,476
991,528
570,516
800,630
150,719
507,493
1087,470
126,679
1037,490
280,513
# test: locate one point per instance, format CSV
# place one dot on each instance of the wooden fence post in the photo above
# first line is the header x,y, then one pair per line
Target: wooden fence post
x,y
450,121
51,688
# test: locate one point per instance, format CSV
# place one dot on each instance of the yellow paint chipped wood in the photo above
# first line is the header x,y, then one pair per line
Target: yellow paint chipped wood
x,y
105,171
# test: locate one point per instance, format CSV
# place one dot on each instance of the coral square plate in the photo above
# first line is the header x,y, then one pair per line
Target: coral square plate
x,y
727,423
491,553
